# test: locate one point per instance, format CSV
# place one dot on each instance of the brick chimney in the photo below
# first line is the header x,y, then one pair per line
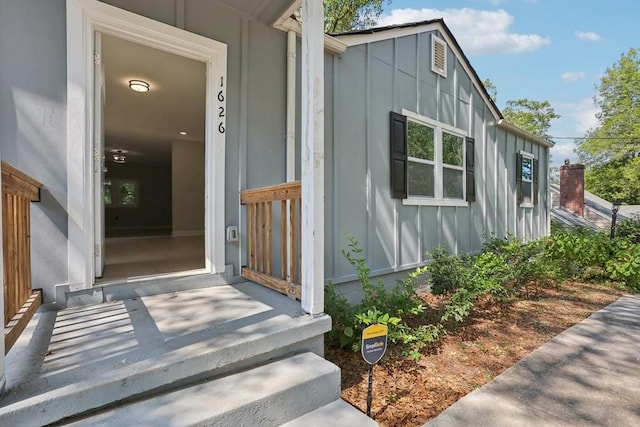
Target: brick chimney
x,y
572,188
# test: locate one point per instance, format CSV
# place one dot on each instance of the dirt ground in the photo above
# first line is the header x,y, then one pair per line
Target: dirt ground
x,y
495,337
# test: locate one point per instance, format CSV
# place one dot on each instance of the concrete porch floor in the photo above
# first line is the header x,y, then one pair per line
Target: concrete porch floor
x,y
77,359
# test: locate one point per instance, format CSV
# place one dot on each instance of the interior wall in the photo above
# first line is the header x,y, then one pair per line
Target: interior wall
x,y
152,215
187,181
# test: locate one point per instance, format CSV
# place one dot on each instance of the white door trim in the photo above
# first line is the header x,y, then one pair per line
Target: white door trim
x,y
83,18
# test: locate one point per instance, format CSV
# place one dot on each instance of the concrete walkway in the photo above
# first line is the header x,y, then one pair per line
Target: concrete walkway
x,y
589,375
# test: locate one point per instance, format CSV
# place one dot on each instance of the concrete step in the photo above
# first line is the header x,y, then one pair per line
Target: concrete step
x,y
336,414
269,395
87,358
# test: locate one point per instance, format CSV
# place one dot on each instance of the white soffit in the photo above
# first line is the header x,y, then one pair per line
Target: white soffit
x,y
287,23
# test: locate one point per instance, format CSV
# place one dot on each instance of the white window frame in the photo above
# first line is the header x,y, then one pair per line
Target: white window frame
x,y
84,18
532,157
438,199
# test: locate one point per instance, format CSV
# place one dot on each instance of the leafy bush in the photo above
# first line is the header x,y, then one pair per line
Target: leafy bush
x,y
503,269
624,264
594,255
576,251
629,228
378,305
447,272
342,317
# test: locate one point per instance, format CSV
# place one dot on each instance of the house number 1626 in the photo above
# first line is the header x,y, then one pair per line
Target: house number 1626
x,y
221,128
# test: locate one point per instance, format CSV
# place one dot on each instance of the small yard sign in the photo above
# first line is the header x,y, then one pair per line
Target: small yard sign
x,y
374,344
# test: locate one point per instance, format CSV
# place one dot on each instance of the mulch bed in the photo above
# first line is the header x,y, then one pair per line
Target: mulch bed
x,y
494,337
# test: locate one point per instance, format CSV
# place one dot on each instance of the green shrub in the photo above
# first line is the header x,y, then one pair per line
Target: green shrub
x,y
503,269
629,228
342,317
594,255
447,272
624,264
378,305
579,250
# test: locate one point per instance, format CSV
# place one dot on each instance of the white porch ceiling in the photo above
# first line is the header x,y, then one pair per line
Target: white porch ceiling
x,y
266,11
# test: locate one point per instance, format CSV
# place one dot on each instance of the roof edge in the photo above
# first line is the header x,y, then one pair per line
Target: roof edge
x,y
502,123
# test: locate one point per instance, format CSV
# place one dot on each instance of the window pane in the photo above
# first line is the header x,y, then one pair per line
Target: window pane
x,y
527,169
452,184
421,180
420,141
120,193
107,193
452,149
128,194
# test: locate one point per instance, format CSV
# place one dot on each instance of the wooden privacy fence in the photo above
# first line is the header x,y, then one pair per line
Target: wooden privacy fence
x,y
20,301
261,229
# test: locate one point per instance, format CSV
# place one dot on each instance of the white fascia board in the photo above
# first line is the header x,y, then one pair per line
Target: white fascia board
x,y
510,127
392,33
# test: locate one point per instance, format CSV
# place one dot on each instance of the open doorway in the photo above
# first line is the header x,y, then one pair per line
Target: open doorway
x,y
152,206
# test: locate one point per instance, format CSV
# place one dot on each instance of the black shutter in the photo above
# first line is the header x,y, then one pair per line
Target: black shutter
x,y
519,177
536,170
399,172
470,167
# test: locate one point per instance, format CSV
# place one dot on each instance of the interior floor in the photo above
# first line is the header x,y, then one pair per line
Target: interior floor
x,y
144,256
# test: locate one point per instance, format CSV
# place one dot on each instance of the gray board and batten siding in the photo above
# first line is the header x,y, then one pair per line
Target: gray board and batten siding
x,y
375,78
33,113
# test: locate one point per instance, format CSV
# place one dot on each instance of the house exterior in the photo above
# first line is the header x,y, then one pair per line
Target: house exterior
x,y
463,173
390,131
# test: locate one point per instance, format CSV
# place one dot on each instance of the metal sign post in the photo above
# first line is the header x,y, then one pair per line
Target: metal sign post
x,y
374,345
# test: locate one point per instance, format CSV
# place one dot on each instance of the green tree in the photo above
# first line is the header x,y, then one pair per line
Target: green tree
x,y
492,90
533,116
611,151
346,15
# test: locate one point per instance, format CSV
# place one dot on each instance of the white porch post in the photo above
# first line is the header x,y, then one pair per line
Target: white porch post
x,y
312,156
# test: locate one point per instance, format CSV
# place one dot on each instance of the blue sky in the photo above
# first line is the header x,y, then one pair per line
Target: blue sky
x,y
554,50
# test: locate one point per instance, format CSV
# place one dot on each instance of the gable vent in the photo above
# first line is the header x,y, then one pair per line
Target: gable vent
x,y
438,56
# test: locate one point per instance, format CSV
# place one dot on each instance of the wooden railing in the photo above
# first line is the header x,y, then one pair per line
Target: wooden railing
x,y
262,227
20,301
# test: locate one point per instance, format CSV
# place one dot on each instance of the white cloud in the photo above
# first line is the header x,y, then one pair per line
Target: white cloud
x,y
479,32
584,113
562,151
589,36
577,119
573,76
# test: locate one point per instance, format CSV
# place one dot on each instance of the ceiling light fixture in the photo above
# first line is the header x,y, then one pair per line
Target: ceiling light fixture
x,y
139,85
119,157
183,133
